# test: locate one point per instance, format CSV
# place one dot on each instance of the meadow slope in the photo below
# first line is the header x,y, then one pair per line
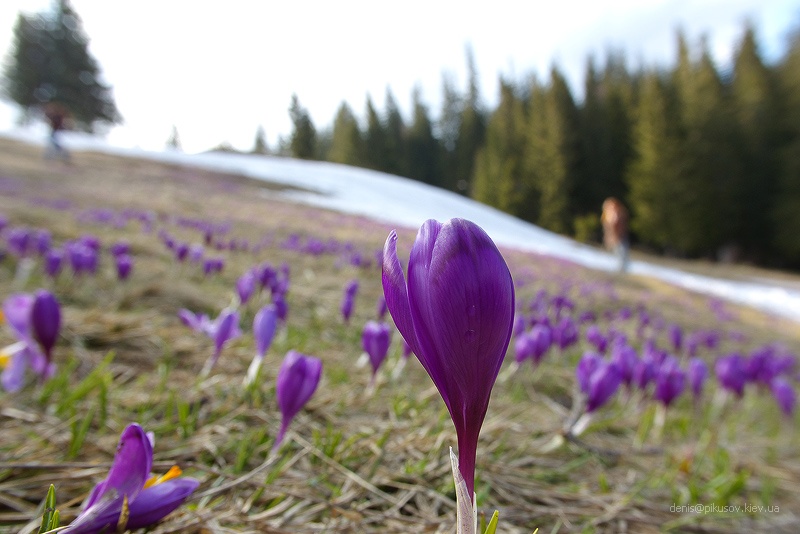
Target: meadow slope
x,y
357,459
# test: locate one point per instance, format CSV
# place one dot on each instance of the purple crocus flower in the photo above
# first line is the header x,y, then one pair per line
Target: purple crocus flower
x,y
45,321
602,385
644,372
375,341
697,372
150,499
196,321
297,380
381,308
541,338
587,365
456,311
522,347
246,286
124,265
119,248
565,333
264,325
224,328
784,395
596,338
625,358
348,299
670,381
53,262
731,373
675,334
35,338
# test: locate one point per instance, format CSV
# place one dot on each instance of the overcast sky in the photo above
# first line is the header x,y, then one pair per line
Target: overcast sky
x,y
218,70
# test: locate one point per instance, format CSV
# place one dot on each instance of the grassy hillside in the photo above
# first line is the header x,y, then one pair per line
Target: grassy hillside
x,y
357,458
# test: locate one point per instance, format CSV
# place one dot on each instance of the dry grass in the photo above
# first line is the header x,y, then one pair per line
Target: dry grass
x,y
354,462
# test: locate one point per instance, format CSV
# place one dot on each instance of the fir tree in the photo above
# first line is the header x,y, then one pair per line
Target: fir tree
x,y
500,177
374,140
471,130
395,130
756,105
786,213
423,148
303,143
174,140
50,62
655,163
260,144
448,127
346,142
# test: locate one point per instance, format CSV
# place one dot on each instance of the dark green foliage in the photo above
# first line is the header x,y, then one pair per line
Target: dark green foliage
x,y
50,62
374,139
396,149
500,179
554,151
260,144
303,143
346,141
786,213
424,163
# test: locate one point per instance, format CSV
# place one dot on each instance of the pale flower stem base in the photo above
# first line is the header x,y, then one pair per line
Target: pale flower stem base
x,y
252,371
466,509
398,368
581,424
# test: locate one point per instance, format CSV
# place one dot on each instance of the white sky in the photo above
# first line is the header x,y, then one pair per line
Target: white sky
x,y
218,70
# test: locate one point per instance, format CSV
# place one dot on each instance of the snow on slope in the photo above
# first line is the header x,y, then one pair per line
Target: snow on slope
x,y
409,203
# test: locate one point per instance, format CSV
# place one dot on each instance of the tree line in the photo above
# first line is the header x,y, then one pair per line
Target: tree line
x,y
707,160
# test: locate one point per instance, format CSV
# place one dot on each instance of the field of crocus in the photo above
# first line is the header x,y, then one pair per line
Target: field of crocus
x,y
183,351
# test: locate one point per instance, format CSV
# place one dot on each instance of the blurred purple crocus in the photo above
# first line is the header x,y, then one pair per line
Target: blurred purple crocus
x,y
149,499
670,381
348,299
456,311
223,329
264,325
731,373
380,307
602,383
595,337
297,381
35,320
375,341
697,371
246,286
53,262
124,265
784,395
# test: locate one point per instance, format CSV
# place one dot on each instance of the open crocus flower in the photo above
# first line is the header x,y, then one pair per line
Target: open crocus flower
x,y
149,499
456,311
224,328
35,320
297,381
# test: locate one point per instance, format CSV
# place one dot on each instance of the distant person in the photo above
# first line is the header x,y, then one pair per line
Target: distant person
x,y
57,116
615,230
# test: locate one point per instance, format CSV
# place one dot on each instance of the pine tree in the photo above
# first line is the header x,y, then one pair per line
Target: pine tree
x,y
447,129
786,213
706,190
655,163
471,130
395,131
554,153
757,112
260,144
374,140
50,62
346,143
303,143
423,148
500,174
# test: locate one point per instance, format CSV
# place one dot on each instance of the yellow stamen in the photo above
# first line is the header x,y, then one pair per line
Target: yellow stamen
x,y
4,358
2,317
174,472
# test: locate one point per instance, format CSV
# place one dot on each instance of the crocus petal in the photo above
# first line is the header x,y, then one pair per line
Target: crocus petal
x,y
297,380
17,311
158,501
13,376
396,293
45,320
264,325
